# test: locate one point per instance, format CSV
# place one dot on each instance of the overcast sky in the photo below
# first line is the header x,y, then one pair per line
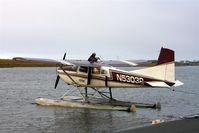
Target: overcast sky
x,y
124,29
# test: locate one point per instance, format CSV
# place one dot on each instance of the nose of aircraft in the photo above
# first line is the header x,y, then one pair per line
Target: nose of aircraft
x,y
58,77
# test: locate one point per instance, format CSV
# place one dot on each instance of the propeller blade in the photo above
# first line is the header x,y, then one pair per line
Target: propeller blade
x,y
64,56
57,81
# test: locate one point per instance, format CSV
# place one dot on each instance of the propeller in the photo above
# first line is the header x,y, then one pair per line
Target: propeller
x,y
64,56
58,77
57,81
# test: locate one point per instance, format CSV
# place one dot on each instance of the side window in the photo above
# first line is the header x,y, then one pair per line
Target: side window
x,y
103,71
83,69
96,71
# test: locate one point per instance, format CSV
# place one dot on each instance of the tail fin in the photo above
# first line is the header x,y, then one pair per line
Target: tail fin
x,y
166,56
166,59
164,70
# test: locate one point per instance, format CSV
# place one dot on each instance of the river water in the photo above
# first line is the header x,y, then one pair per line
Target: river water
x,y
19,87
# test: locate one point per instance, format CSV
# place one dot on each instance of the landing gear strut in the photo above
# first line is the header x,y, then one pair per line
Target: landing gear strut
x,y
110,91
92,93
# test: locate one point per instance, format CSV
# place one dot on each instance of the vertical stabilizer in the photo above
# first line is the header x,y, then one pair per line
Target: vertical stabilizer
x,y
166,56
165,68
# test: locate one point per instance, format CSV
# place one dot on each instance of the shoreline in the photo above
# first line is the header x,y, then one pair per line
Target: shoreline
x,y
190,125
8,63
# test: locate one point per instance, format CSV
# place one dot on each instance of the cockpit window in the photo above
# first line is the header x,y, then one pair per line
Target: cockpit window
x,y
96,70
74,67
83,69
68,68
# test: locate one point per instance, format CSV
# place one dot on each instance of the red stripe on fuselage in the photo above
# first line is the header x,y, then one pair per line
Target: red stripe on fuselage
x,y
133,79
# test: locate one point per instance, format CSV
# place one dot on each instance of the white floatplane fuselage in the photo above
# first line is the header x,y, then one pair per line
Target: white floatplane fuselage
x,y
101,77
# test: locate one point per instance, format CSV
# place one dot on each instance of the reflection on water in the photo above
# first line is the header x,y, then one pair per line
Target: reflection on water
x,y
19,87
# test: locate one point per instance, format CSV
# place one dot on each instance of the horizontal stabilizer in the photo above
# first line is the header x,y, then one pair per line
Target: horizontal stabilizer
x,y
178,83
157,84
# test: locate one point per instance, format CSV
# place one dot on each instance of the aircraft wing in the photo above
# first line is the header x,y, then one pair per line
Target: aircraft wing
x,y
120,63
86,63
51,61
61,62
131,63
113,63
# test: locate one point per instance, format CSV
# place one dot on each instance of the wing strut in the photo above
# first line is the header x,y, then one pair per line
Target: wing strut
x,y
89,76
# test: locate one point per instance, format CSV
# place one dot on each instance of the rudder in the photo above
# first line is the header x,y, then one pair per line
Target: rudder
x,y
166,55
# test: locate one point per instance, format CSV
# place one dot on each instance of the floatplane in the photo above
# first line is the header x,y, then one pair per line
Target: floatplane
x,y
94,78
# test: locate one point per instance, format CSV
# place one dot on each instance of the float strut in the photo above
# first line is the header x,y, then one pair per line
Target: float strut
x,y
110,94
86,92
